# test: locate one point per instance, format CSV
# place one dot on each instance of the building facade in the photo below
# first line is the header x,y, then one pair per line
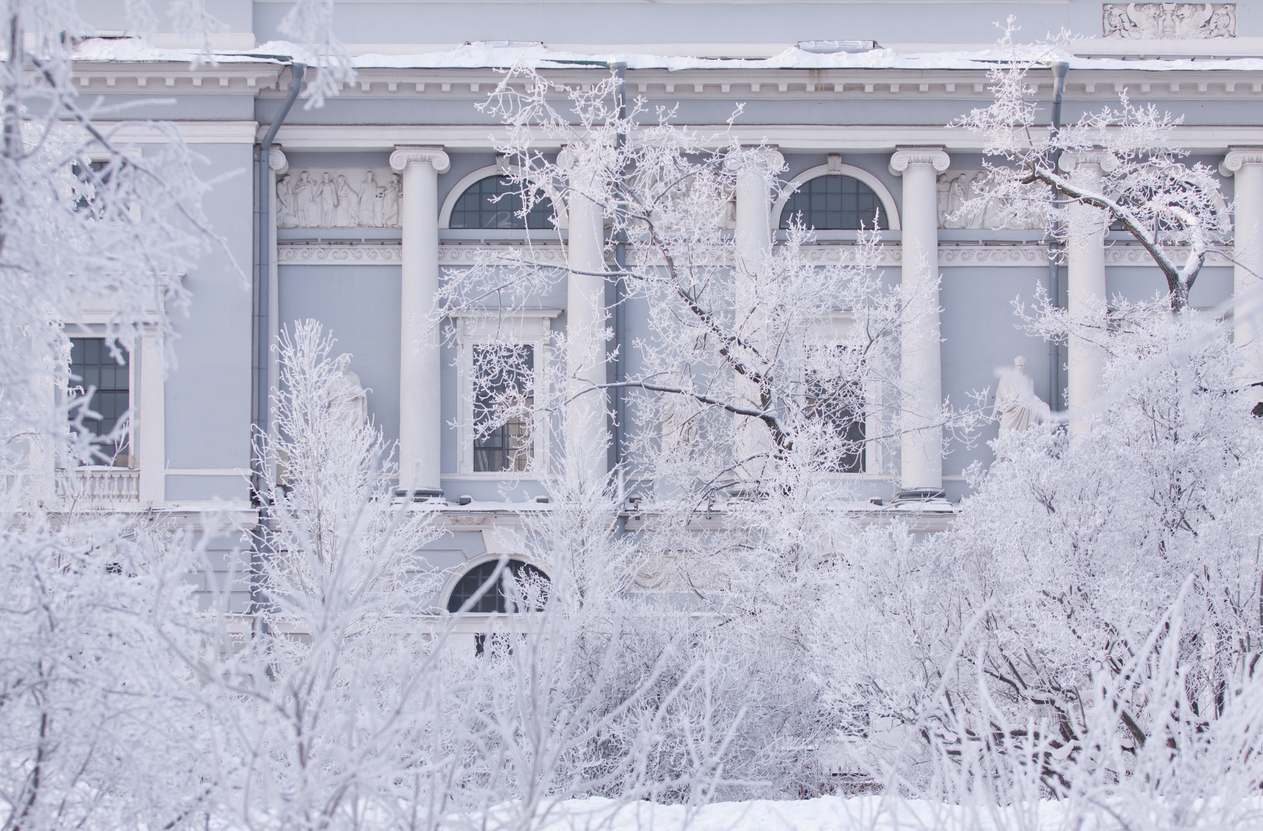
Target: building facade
x,y
390,184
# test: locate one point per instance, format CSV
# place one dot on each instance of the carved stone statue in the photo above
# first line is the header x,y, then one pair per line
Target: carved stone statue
x,y
351,400
1016,405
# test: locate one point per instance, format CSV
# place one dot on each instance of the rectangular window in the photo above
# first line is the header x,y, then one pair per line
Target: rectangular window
x,y
503,411
834,397
91,179
95,370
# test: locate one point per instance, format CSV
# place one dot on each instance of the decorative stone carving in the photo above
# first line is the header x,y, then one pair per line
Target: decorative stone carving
x,y
1017,407
337,199
954,189
1169,20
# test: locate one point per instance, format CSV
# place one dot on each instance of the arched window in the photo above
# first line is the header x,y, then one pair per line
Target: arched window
x,y
495,203
835,202
494,599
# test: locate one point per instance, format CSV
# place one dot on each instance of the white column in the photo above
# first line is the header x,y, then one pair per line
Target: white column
x,y
586,412
420,408
1246,165
149,419
1085,291
753,245
920,354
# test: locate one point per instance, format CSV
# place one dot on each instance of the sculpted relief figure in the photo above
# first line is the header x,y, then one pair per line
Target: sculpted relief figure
x,y
1017,407
346,203
1168,20
337,199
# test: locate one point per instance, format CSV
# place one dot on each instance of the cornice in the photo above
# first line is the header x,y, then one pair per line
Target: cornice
x,y
191,132
950,255
161,78
851,82
787,137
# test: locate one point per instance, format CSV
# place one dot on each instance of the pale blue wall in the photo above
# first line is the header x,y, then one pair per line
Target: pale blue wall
x,y
208,392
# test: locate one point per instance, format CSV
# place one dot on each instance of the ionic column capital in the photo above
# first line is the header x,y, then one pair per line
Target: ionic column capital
x,y
433,156
1088,162
277,160
763,159
1239,157
905,157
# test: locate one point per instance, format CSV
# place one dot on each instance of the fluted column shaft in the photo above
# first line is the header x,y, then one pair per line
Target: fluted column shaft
x,y
753,244
1085,291
1246,166
420,406
920,353
587,409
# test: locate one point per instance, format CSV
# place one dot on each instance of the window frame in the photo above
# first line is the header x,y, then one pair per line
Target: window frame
x,y
834,166
831,331
524,328
458,189
134,358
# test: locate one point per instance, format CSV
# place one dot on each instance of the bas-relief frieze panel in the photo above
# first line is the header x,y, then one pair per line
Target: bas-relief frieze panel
x,y
337,199
1182,21
954,188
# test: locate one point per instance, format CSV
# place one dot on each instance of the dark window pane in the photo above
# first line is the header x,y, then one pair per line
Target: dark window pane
x,y
838,402
495,203
93,369
532,583
835,203
504,398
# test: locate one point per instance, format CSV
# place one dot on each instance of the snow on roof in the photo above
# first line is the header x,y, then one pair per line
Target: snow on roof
x,y
539,56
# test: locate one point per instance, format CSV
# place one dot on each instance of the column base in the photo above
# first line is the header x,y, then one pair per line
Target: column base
x,y
420,494
920,495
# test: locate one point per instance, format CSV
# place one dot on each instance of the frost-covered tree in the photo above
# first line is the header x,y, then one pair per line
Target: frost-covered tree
x,y
768,366
327,711
1090,621
1114,167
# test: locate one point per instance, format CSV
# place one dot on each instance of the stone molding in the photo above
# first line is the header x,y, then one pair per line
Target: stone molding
x,y
1169,21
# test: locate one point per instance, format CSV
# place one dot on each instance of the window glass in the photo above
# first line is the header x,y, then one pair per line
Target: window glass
x,y
532,588
94,369
504,399
495,203
834,397
835,203
90,180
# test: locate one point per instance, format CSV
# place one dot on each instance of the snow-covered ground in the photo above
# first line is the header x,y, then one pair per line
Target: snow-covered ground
x,y
878,813
827,813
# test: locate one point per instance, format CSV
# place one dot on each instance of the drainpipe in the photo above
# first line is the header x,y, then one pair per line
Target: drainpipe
x,y
261,332
1056,286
